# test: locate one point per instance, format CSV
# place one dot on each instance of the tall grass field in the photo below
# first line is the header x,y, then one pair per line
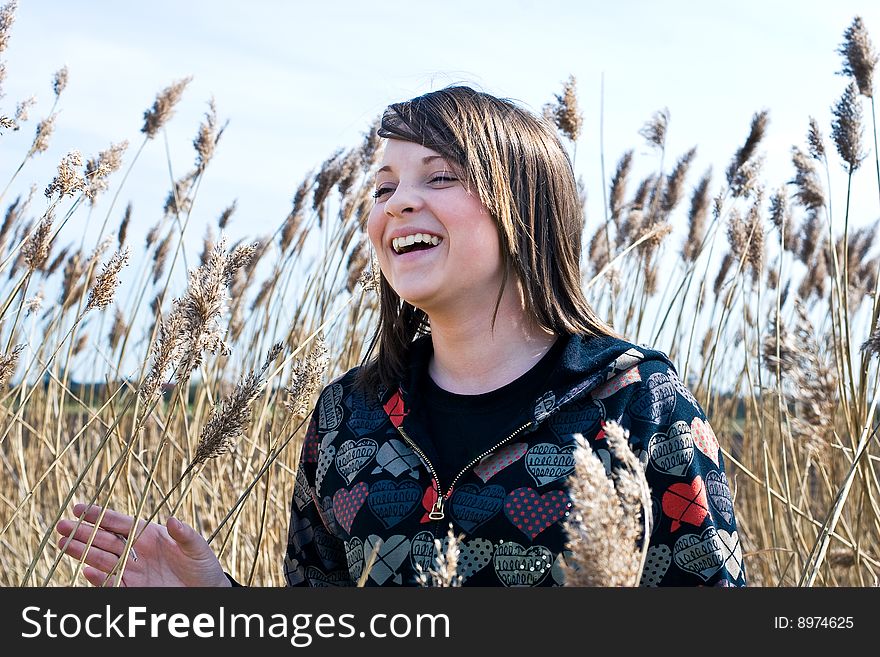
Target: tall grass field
x,y
759,290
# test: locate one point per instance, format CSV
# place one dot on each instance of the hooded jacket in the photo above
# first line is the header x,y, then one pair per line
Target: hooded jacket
x,y
366,491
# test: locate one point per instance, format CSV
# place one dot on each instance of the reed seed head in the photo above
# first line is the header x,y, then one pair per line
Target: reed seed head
x,y
7,18
608,525
815,141
68,181
8,363
654,131
748,149
226,215
674,188
808,188
565,113
859,56
22,111
163,107
101,295
34,303
846,128
305,378
444,571
59,82
209,135
44,131
699,210
98,169
618,186
36,248
123,226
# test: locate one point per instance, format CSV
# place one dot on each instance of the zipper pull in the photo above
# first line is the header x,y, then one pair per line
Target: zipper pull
x,y
436,512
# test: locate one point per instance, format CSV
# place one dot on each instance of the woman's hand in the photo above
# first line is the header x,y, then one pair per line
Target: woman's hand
x,y
173,555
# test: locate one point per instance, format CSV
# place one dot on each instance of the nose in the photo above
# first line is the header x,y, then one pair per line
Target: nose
x,y
404,199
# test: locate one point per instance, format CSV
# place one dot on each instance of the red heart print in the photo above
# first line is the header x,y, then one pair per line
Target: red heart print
x,y
532,513
704,439
428,500
395,409
686,503
495,463
310,443
346,504
619,382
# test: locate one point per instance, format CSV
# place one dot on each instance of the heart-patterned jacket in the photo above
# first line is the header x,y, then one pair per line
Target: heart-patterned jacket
x,y
366,498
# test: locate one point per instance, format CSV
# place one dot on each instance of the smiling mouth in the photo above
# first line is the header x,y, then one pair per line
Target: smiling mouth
x,y
417,242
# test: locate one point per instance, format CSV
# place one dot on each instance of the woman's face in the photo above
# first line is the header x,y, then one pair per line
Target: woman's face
x,y
419,192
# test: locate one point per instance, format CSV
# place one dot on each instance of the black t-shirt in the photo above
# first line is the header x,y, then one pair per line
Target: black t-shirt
x,y
464,426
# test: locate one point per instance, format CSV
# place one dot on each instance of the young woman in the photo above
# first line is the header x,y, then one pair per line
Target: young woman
x,y
485,364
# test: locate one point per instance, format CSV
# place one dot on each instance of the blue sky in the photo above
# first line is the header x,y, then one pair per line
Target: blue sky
x,y
298,80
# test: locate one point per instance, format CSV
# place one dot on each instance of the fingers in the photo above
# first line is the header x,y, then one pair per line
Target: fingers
x,y
97,577
95,557
108,541
113,521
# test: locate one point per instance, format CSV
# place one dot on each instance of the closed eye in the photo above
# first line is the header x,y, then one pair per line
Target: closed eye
x,y
381,191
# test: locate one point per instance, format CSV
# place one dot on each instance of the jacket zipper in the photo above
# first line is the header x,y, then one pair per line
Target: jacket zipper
x,y
437,512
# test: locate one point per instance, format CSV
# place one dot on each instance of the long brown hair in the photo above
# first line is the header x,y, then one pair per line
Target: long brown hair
x,y
522,174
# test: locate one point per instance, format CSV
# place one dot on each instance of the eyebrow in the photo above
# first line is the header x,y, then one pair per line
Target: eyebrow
x,y
425,160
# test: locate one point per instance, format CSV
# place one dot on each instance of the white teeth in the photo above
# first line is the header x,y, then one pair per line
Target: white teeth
x,y
399,242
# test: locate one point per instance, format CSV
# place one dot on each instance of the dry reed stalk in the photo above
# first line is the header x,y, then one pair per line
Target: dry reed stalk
x,y
608,525
194,323
444,572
